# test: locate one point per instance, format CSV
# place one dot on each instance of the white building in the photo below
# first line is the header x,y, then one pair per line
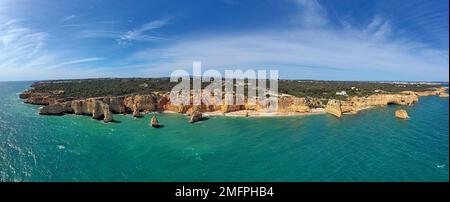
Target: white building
x,y
342,93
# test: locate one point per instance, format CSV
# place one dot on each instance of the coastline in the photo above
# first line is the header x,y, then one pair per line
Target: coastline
x,y
251,113
104,107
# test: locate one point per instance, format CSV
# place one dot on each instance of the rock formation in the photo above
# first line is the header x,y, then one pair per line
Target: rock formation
x,y
107,115
196,116
94,107
55,109
104,107
334,107
154,122
293,104
402,114
443,94
355,104
116,104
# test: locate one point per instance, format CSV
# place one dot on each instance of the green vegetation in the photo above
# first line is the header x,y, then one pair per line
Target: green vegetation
x,y
301,88
328,89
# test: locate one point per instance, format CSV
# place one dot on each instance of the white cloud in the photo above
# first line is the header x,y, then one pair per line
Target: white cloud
x,y
311,51
19,46
67,18
306,54
138,34
312,14
77,61
22,53
379,28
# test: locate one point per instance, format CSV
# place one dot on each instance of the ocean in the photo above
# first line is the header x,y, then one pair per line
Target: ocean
x,y
371,146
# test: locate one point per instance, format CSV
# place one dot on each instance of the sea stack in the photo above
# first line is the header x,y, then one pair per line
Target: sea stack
x,y
154,122
402,114
107,115
196,116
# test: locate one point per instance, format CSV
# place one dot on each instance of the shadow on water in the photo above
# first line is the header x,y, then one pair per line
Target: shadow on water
x,y
159,126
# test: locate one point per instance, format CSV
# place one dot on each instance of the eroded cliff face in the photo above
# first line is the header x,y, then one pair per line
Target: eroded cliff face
x,y
92,107
355,104
334,107
104,107
293,104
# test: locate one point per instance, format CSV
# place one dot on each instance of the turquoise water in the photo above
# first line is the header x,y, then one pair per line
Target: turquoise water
x,y
371,146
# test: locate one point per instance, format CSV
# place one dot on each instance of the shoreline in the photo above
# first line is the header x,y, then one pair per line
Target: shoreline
x,y
251,113
103,108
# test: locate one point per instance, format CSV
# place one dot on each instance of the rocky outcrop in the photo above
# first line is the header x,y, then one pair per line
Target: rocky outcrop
x,y
355,104
443,94
196,116
154,122
293,104
334,107
94,107
104,107
107,115
54,109
402,114
437,91
40,97
136,111
116,104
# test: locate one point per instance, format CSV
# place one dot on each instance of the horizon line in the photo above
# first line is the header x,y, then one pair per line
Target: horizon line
x,y
299,79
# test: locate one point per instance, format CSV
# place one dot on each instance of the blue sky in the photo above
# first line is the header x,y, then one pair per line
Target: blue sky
x,y
303,39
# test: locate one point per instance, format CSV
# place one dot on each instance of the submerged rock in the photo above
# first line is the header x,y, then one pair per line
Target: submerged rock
x,y
154,122
402,114
196,116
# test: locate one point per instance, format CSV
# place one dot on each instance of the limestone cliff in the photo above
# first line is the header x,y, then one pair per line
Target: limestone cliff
x,y
355,104
293,104
104,107
334,107
55,109
93,107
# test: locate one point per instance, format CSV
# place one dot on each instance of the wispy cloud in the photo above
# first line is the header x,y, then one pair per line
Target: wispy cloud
x,y
99,34
309,53
19,46
77,61
23,56
138,34
314,50
316,46
379,28
141,33
311,13
67,18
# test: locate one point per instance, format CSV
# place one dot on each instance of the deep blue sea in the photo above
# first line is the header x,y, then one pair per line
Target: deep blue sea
x,y
370,146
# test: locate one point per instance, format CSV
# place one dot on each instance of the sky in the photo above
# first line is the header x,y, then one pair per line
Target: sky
x,y
302,39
